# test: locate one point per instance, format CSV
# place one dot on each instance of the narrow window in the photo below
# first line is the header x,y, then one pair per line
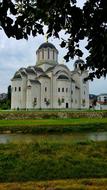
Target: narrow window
x,y
45,89
19,89
71,91
48,54
58,89
66,89
15,89
62,89
35,101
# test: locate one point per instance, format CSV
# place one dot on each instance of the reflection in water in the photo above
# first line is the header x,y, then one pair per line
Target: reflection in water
x,y
31,138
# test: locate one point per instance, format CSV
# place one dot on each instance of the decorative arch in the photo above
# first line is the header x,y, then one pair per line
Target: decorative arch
x,y
62,77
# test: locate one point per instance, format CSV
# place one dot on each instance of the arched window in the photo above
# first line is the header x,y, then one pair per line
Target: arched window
x,y
63,77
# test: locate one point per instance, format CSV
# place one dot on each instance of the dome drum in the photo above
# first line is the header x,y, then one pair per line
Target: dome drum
x,y
47,53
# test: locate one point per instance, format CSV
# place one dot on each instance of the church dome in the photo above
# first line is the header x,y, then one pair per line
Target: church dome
x,y
47,55
47,45
79,63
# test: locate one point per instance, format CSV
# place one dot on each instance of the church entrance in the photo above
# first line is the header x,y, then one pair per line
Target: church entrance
x,y
67,105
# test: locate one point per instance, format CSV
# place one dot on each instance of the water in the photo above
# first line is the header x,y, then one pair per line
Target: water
x,y
31,138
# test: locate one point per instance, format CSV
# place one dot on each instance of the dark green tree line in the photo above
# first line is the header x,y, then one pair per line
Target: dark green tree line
x,y
22,18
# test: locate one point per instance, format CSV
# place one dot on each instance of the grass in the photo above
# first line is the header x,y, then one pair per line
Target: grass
x,y
52,160
54,125
74,121
53,164
84,184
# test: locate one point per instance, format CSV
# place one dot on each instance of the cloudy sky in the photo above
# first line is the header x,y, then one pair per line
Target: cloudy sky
x,y
21,53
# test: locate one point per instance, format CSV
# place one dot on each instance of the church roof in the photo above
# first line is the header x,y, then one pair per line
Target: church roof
x,y
23,73
38,69
50,68
73,80
16,76
35,82
47,45
44,75
30,70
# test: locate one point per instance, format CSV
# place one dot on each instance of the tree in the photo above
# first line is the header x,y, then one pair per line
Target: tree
x,y
9,92
22,18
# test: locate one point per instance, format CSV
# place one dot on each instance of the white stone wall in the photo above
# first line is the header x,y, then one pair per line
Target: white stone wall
x,y
63,95
34,96
84,89
77,99
23,92
73,95
45,92
16,101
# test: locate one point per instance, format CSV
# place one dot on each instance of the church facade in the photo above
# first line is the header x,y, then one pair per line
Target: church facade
x,y
49,84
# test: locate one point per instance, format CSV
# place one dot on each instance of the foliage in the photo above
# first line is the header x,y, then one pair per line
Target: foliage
x,y
59,101
6,103
48,102
50,126
22,18
83,102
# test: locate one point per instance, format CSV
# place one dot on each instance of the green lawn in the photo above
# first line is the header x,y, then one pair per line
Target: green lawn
x,y
54,125
39,122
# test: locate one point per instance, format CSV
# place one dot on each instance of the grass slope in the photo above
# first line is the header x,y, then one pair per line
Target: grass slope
x,y
54,125
46,160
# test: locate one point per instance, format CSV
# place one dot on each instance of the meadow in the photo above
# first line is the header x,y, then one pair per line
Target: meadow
x,y
48,160
53,164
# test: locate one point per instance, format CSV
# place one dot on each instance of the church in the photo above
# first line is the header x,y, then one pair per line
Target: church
x,y
49,84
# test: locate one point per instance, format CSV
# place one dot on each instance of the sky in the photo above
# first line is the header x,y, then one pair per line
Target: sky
x,y
15,54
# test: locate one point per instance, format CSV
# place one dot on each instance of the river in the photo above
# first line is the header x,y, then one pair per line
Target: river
x,y
31,138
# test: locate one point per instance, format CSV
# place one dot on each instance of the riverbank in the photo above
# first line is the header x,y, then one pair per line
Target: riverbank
x,y
41,126
84,184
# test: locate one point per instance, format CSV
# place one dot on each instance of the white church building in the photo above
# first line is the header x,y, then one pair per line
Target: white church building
x,y
49,84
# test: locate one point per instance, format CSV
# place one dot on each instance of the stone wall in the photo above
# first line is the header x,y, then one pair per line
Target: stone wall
x,y
50,115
